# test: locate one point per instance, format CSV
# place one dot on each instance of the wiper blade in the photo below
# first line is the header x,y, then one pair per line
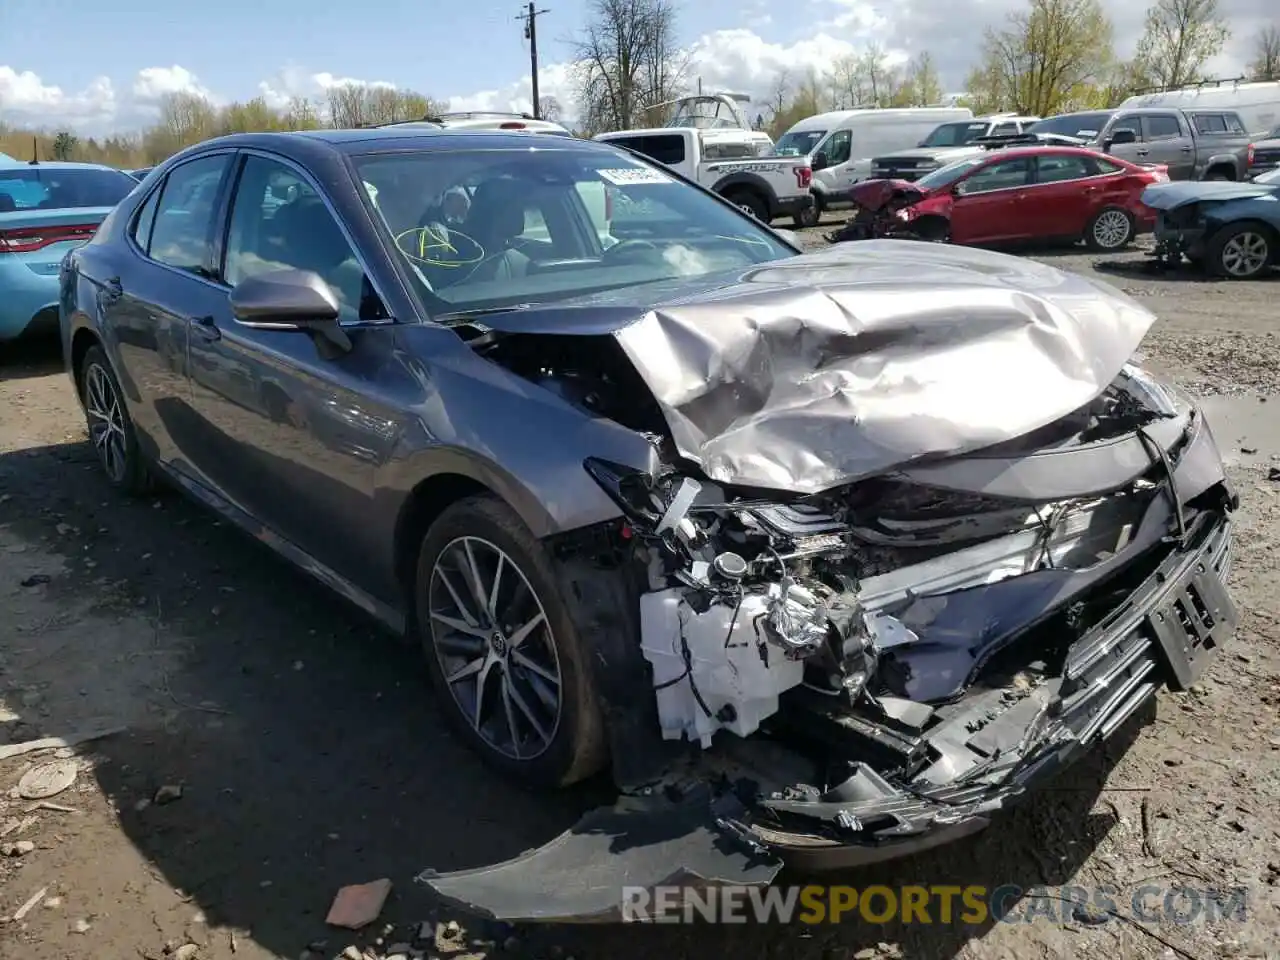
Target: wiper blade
x,y
464,316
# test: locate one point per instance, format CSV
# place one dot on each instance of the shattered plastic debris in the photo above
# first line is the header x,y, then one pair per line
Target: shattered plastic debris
x,y
47,780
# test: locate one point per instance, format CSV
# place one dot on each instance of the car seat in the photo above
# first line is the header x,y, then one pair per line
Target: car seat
x,y
495,220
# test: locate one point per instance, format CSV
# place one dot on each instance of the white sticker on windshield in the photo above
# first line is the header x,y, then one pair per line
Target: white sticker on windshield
x,y
628,176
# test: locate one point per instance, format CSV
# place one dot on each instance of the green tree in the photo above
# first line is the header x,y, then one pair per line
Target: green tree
x,y
1046,56
64,145
1179,38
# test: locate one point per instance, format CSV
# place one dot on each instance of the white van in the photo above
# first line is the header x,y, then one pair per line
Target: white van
x,y
848,139
1258,103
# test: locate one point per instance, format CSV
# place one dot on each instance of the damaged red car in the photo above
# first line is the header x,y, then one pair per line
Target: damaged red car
x,y
1016,194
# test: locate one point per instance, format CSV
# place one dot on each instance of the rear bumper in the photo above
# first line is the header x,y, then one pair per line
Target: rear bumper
x,y
27,300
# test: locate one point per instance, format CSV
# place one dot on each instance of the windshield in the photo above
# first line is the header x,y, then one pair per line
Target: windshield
x,y
1086,126
485,229
949,174
795,143
955,134
61,188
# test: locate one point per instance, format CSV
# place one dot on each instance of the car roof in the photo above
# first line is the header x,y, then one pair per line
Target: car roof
x,y
304,145
55,165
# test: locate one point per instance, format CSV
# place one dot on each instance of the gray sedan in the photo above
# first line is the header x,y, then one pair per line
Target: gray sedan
x,y
826,557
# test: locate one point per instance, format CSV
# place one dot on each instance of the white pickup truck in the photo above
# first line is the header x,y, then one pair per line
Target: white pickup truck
x,y
722,160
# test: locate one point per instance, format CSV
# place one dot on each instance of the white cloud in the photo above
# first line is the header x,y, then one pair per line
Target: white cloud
x,y
153,84
739,59
26,99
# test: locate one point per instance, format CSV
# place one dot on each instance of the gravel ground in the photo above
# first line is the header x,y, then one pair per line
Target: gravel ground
x,y
276,747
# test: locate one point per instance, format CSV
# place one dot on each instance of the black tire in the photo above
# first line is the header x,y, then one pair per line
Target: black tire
x,y
1229,246
1218,174
750,201
574,748
1103,235
810,216
118,452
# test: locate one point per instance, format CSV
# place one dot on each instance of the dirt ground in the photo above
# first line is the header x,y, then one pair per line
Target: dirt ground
x,y
274,746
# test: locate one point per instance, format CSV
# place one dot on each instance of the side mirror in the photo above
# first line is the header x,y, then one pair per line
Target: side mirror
x,y
290,300
820,161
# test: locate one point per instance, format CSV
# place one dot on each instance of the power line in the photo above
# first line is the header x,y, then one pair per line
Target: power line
x,y
530,20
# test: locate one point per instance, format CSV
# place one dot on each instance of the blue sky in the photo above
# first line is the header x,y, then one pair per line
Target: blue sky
x,y
232,45
100,65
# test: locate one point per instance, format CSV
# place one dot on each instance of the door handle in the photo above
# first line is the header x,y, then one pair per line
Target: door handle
x,y
1143,153
1186,149
206,328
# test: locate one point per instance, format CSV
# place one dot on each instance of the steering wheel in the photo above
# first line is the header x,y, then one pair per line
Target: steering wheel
x,y
634,244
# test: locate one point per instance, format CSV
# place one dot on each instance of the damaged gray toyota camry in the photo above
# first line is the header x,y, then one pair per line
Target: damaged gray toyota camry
x,y
827,557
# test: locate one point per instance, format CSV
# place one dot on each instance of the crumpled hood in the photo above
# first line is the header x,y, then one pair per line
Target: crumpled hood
x,y
874,194
1169,196
811,372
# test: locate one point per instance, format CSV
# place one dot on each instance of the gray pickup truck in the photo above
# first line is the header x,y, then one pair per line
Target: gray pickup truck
x,y
1194,144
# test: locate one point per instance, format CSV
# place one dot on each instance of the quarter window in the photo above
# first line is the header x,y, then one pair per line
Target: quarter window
x,y
1210,123
279,222
145,219
182,234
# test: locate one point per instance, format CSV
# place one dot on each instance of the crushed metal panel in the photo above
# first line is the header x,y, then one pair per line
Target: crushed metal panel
x,y
581,875
816,371
1169,196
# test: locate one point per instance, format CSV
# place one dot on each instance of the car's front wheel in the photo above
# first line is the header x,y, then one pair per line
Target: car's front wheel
x,y
1240,251
510,671
111,429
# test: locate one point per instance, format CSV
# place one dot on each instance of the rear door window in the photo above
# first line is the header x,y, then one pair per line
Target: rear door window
x,y
1057,168
182,236
1161,126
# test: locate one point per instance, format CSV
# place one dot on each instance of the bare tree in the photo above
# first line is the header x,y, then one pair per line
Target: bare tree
x,y
347,105
779,94
1266,54
1043,58
844,80
549,109
1180,37
876,74
920,85
357,105
628,60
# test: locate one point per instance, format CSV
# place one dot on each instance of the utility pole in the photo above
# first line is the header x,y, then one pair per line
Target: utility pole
x,y
530,18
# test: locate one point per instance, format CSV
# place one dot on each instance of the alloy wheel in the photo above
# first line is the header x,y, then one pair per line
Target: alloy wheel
x,y
1111,229
1245,254
495,647
106,422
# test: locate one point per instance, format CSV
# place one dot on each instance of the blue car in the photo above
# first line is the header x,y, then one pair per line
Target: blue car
x,y
46,209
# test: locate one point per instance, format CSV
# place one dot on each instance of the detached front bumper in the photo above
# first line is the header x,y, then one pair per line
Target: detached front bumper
x,y
713,833
1176,237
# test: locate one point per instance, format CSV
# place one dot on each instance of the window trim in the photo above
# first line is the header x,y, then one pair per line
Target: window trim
x,y
224,211
159,188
